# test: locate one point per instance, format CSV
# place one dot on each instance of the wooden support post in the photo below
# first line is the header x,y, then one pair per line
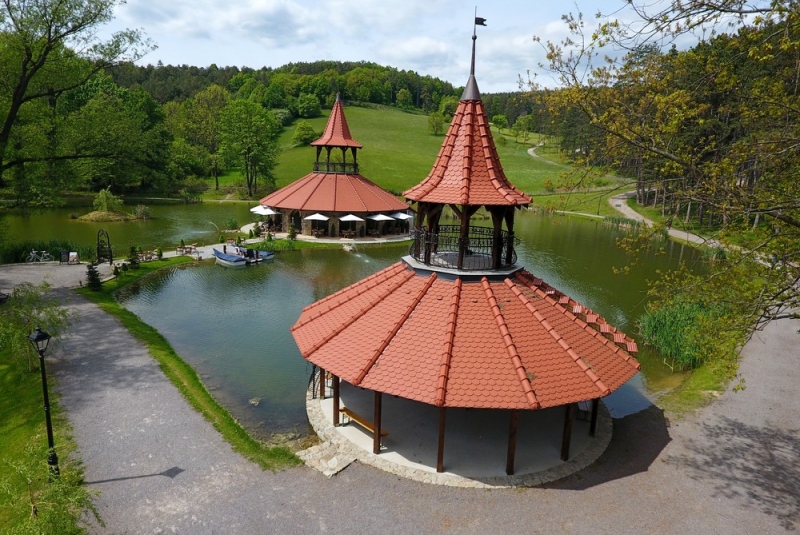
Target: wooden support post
x,y
440,446
321,384
593,424
376,435
335,401
512,442
567,436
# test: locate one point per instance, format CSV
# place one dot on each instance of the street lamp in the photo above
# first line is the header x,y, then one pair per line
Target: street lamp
x,y
39,339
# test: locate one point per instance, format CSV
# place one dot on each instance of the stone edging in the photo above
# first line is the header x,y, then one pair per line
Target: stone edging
x,y
336,452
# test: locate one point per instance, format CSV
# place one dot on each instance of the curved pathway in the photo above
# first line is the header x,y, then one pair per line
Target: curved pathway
x,y
620,203
159,467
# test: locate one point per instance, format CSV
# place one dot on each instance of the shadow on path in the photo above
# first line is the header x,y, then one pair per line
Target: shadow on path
x,y
758,466
637,442
171,473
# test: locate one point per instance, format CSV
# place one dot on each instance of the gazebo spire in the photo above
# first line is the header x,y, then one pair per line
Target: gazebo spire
x,y
466,176
336,135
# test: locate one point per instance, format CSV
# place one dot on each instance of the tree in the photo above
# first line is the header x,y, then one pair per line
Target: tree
x,y
50,47
249,139
448,107
201,125
28,308
709,133
304,133
308,106
436,123
404,99
105,201
523,126
500,121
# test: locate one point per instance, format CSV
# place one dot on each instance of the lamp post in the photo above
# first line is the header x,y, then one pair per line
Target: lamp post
x,y
39,339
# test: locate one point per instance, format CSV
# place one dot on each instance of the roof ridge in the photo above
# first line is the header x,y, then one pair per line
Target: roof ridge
x,y
447,354
466,169
386,341
511,348
604,390
364,286
626,356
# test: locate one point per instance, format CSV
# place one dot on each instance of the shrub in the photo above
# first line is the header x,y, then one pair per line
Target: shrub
x,y
284,116
677,331
303,133
195,185
231,224
292,234
105,201
141,212
93,277
133,257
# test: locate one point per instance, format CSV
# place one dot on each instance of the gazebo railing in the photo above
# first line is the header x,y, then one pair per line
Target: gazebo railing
x,y
336,167
478,250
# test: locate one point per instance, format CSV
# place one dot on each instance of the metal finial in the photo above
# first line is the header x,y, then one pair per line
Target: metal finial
x,y
479,21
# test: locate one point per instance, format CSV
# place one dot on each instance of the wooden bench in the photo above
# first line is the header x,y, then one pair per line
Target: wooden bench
x,y
360,420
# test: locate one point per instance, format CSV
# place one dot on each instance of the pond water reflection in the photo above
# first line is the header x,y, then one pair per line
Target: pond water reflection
x,y
233,325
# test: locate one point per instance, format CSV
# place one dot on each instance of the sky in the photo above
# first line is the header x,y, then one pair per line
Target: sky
x,y
431,37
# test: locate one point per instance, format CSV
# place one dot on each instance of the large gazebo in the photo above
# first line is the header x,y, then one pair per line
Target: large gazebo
x,y
457,323
335,196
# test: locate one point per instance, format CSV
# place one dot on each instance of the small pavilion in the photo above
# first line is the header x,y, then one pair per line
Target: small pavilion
x,y
334,199
457,323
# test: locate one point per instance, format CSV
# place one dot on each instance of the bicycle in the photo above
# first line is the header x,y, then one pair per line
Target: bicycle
x,y
39,256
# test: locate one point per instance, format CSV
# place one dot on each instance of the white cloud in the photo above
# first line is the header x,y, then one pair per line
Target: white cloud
x,y
431,37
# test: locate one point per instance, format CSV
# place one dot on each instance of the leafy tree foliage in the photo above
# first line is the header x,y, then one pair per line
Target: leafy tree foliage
x,y
404,99
201,125
249,139
48,48
304,133
308,106
500,121
708,134
436,123
105,201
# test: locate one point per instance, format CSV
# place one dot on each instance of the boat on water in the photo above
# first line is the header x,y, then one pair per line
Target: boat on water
x,y
242,257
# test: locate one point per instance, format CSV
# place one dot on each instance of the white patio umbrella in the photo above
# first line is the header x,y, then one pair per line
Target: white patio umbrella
x,y
263,210
350,217
380,217
316,217
402,215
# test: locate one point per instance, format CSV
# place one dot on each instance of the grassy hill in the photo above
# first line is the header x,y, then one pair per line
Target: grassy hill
x,y
399,152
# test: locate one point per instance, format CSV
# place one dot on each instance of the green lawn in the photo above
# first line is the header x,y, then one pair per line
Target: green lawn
x,y
23,448
398,152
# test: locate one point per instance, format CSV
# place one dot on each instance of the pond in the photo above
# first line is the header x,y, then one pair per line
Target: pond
x,y
232,326
168,225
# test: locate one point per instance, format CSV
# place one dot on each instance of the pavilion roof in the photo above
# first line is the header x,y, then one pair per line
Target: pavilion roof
x,y
505,342
334,192
467,170
337,133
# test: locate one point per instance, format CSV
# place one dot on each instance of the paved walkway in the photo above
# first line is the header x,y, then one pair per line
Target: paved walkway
x,y
160,468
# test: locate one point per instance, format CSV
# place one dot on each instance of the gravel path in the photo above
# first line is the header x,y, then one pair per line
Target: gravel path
x,y
160,468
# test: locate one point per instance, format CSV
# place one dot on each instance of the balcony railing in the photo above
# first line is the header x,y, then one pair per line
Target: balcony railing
x,y
336,167
478,251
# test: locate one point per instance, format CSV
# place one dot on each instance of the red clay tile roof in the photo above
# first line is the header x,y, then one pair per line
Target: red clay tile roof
x,y
510,343
467,170
337,133
333,192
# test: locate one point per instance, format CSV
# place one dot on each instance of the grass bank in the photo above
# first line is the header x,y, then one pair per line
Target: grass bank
x,y
23,470
183,376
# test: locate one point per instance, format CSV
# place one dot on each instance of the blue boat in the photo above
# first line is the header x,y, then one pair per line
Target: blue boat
x,y
243,257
